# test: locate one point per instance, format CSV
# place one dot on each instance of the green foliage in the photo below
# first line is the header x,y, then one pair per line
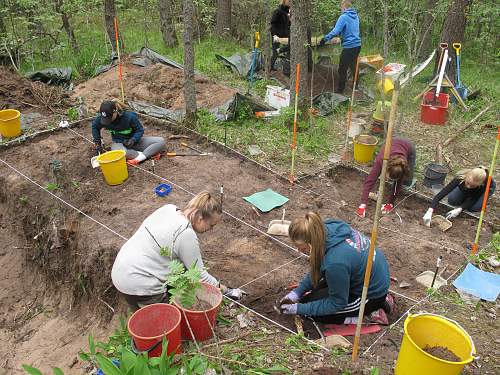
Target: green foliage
x,y
72,114
374,371
32,370
52,186
183,284
23,200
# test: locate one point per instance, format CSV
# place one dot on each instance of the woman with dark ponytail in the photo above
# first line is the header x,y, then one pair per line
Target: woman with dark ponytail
x,y
331,291
400,169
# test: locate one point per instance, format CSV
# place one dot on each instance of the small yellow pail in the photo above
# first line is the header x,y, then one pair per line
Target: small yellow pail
x,y
432,330
113,167
10,123
364,147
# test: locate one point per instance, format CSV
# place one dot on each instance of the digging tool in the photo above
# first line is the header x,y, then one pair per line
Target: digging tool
x,y
441,75
373,238
120,69
194,149
443,46
486,193
438,264
345,152
172,154
279,227
294,142
254,57
221,191
461,89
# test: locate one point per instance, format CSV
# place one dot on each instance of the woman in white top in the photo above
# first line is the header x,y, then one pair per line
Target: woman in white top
x,y
142,264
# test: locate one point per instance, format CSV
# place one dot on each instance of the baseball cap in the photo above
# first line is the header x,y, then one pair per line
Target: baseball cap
x,y
107,109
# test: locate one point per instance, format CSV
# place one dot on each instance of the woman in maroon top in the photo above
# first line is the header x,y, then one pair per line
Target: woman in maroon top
x,y
400,171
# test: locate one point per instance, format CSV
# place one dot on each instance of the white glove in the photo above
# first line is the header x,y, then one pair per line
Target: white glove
x,y
235,294
276,39
428,217
454,213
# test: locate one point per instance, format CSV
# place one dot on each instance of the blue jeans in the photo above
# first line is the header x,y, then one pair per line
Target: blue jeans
x,y
457,197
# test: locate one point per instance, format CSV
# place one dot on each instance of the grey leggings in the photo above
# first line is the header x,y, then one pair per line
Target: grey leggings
x,y
149,146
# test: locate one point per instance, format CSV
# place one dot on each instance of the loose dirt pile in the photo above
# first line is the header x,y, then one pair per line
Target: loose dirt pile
x,y
442,353
156,84
17,92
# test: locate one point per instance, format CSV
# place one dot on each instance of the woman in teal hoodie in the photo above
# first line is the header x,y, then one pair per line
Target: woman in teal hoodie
x,y
331,291
347,27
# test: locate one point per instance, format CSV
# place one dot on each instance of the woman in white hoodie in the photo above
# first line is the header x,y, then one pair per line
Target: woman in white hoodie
x,y
142,264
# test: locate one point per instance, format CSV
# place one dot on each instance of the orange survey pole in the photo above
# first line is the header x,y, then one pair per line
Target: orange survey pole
x,y
373,239
486,193
120,72
294,143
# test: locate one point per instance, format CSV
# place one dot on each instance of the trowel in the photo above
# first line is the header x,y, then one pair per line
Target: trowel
x,y
279,227
431,279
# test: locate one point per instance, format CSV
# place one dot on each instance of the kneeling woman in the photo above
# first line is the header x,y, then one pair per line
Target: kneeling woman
x,y
465,192
331,291
141,268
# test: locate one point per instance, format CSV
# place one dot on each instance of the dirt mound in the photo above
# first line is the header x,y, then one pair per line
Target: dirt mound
x,y
156,84
19,93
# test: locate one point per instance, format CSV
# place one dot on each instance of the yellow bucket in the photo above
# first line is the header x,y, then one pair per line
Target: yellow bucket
x,y
113,167
432,330
364,147
10,123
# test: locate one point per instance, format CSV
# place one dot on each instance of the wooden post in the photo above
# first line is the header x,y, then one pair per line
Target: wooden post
x,y
373,239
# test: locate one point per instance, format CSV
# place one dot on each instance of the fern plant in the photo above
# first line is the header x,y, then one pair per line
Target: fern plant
x,y
183,284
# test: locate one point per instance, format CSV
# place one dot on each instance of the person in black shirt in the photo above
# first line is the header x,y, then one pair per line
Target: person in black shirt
x,y
280,27
466,192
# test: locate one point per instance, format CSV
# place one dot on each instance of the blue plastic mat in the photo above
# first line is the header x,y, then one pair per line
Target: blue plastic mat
x,y
266,200
485,285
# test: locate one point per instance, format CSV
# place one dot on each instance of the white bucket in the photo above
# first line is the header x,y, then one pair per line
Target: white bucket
x,y
277,97
357,127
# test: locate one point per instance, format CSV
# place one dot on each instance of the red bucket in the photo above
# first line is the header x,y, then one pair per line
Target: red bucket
x,y
202,328
434,110
150,324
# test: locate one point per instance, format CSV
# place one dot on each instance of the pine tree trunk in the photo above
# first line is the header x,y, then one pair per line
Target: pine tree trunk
x,y
189,85
109,19
67,25
167,23
299,49
223,17
427,29
454,31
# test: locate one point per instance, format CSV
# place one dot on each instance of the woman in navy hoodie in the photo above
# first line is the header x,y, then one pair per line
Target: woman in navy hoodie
x,y
347,27
331,291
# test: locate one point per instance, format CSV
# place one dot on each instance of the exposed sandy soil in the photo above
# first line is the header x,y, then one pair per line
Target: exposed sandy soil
x,y
156,84
74,255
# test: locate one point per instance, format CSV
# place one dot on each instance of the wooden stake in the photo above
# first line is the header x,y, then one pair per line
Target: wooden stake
x,y
486,193
373,239
120,72
294,142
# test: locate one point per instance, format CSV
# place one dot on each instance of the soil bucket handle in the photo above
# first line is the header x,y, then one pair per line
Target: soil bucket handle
x,y
473,346
137,351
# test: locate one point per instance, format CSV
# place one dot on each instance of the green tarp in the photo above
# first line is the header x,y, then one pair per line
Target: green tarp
x,y
266,200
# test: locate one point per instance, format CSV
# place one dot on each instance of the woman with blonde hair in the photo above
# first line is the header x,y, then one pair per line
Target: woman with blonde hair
x,y
142,264
331,291
465,191
400,169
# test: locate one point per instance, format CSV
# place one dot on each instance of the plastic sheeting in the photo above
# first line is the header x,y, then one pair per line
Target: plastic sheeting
x,y
241,63
52,76
143,57
327,102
